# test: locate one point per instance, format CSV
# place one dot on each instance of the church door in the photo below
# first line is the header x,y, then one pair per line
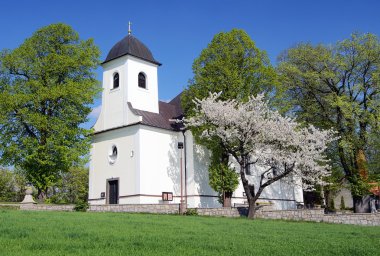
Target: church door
x,y
113,191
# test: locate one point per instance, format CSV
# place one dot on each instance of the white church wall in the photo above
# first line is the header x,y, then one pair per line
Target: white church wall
x,y
126,141
160,168
113,100
282,194
143,99
199,192
159,164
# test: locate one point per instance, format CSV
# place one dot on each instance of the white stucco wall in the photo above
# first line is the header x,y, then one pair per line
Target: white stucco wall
x,y
200,194
113,100
125,167
159,164
280,193
143,99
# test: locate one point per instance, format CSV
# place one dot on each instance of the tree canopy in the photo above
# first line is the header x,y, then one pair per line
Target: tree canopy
x,y
252,133
46,87
337,86
231,64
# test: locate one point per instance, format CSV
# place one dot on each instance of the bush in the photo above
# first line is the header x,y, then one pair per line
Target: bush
x,y
191,212
342,204
12,186
81,206
331,205
72,188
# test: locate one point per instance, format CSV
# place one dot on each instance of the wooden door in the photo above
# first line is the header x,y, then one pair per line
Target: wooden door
x,y
113,192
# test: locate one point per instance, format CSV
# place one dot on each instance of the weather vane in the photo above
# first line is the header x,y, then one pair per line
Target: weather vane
x,y
129,28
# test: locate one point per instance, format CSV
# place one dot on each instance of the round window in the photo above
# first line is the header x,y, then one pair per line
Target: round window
x,y
112,155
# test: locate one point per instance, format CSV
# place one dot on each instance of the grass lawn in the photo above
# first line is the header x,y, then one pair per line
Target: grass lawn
x,y
72,233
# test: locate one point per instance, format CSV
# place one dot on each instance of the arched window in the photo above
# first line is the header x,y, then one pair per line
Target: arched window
x,y
112,154
142,80
115,81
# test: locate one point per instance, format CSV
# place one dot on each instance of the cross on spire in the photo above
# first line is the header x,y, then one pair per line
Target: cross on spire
x,y
129,28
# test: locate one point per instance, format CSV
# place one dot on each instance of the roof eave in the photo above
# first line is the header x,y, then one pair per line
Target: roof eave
x,y
151,61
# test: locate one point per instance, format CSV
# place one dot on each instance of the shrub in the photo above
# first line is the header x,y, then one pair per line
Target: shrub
x,y
191,212
342,204
81,206
12,185
331,205
72,188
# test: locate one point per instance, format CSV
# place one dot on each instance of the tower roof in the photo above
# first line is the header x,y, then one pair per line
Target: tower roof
x,y
130,45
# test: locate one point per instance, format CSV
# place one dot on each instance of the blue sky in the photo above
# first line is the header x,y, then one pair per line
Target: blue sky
x,y
177,31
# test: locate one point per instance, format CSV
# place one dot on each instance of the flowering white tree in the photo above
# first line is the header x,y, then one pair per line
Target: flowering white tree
x,y
254,134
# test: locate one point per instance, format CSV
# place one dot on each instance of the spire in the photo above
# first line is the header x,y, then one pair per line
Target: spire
x,y
129,28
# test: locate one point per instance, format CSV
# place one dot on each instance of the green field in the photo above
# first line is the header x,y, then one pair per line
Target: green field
x,y
74,233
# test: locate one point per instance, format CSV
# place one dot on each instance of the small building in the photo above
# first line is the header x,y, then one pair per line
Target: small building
x,y
138,154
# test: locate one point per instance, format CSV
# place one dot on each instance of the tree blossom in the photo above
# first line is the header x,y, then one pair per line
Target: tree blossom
x,y
252,133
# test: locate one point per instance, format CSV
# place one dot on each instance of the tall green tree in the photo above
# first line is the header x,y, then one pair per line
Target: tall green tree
x,y
72,188
46,87
338,86
231,64
12,185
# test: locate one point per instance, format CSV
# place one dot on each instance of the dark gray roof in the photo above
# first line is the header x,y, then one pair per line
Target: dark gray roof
x,y
130,45
171,110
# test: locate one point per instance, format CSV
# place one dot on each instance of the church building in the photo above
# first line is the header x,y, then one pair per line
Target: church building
x,y
139,155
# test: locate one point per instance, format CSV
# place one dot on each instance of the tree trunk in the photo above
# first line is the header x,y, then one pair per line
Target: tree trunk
x,y
252,209
227,199
249,190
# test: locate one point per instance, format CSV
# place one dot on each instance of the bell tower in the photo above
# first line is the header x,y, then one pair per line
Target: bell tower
x,y
129,75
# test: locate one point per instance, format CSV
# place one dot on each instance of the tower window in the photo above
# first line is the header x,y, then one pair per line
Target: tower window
x,y
142,80
115,81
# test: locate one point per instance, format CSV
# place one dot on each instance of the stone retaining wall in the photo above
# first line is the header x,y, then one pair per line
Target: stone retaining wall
x,y
302,214
317,215
365,219
225,212
146,208
12,206
47,207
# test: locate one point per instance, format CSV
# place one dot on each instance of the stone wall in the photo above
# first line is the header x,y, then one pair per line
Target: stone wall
x,y
10,206
225,212
317,215
367,219
146,208
302,214
47,207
